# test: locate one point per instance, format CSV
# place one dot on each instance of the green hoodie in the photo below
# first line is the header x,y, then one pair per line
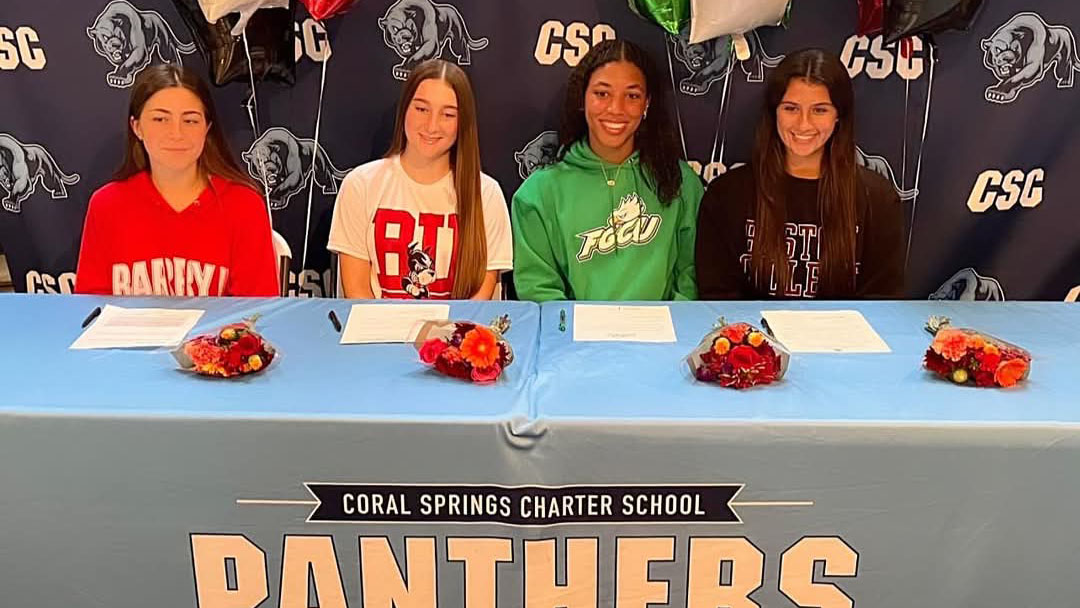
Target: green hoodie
x,y
576,238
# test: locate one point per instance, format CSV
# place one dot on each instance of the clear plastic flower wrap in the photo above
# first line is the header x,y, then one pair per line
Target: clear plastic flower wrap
x,y
738,355
968,356
466,350
234,350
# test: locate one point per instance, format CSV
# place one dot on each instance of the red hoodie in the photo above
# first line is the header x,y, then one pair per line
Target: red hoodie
x,y
134,243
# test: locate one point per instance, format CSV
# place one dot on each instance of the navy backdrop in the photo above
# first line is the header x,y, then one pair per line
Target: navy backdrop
x,y
991,206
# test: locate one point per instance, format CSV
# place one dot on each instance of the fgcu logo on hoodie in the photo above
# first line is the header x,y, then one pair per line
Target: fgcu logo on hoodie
x,y
629,224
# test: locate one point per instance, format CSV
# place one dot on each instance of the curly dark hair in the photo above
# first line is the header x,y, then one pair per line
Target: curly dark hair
x,y
655,139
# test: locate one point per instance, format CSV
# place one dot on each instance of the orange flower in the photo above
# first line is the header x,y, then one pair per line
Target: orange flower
x,y
721,346
990,349
480,347
951,344
755,338
1009,372
978,342
735,332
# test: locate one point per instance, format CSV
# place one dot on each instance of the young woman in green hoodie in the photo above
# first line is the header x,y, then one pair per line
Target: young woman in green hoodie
x,y
614,218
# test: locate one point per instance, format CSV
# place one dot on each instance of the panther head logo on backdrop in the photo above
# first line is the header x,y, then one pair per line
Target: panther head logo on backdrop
x,y
128,38
968,285
418,30
538,153
881,166
284,163
712,60
23,167
1023,50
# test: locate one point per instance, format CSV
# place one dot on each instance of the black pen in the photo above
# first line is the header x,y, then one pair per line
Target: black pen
x,y
765,326
334,320
90,317
562,320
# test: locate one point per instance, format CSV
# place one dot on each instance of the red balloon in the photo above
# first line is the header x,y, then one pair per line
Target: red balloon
x,y
871,17
324,9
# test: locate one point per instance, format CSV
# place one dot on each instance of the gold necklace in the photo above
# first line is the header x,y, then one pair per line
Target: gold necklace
x,y
611,182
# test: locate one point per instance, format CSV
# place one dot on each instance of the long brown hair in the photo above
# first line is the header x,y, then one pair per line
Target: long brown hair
x,y
655,140
465,163
836,186
216,158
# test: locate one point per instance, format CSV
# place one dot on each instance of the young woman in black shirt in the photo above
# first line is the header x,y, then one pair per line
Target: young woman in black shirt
x,y
802,220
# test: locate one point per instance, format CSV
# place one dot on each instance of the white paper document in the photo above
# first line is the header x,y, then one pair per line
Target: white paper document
x,y
374,323
609,323
824,331
118,327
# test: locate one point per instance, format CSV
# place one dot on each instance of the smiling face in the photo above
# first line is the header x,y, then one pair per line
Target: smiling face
x,y
173,128
805,120
431,120
615,101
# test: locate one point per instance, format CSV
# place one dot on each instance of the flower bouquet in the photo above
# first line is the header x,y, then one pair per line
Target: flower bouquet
x,y
466,350
738,355
966,356
234,350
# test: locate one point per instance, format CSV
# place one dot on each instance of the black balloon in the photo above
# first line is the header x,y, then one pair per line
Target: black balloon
x,y
905,18
270,40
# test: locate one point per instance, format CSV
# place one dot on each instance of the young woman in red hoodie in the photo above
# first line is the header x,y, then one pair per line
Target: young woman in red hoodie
x,y
180,217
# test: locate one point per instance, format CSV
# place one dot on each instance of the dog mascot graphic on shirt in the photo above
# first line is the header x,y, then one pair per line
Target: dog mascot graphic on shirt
x,y
881,166
1023,50
419,30
712,60
128,38
23,167
421,272
543,150
283,163
968,285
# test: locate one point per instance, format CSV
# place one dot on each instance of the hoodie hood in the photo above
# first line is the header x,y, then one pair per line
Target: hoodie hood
x,y
581,156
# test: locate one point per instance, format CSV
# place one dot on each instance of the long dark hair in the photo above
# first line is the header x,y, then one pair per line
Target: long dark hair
x,y
465,161
216,158
836,186
655,139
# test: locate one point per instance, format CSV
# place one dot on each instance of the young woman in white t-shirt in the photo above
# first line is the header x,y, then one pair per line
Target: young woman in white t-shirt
x,y
424,222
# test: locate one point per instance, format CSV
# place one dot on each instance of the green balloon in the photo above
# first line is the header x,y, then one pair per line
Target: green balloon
x,y
671,15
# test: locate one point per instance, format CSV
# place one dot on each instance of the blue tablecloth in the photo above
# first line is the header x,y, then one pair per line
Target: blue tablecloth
x,y
314,377
626,382
119,473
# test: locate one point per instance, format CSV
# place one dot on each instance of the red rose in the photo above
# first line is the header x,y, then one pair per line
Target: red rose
x,y
248,344
936,363
451,364
743,357
235,360
432,349
984,378
988,362
484,375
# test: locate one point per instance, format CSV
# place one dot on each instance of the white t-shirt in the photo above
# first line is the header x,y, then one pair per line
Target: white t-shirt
x,y
406,230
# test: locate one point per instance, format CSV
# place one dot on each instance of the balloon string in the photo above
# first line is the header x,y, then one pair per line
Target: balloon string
x,y
904,137
315,153
922,142
721,117
675,96
253,117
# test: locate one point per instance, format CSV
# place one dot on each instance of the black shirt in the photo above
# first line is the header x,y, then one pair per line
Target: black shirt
x,y
725,237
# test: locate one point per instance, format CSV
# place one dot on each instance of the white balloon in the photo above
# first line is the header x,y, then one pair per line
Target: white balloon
x,y
712,18
216,9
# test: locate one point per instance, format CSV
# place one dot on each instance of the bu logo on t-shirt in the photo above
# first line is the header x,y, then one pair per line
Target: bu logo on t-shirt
x,y
415,255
